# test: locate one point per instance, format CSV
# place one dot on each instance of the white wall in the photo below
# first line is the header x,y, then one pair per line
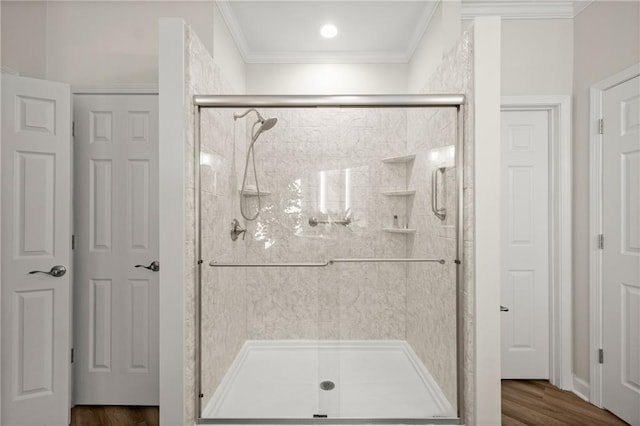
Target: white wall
x,y
93,43
96,43
606,41
289,79
24,27
440,36
537,57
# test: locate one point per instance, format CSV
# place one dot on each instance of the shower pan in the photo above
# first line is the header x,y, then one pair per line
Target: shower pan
x,y
342,303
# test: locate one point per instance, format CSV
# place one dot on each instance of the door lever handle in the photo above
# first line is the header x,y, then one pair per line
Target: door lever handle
x,y
153,266
56,272
504,309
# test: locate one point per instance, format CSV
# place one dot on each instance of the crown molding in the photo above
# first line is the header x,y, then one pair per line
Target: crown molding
x,y
345,57
229,18
421,28
542,9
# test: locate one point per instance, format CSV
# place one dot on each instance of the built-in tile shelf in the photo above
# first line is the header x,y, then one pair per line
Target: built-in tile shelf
x,y
398,193
399,230
253,193
400,159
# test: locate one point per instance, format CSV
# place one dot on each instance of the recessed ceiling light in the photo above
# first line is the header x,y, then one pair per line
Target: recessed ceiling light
x,y
328,31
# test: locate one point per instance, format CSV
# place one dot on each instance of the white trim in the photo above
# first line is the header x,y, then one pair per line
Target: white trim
x,y
536,9
486,232
171,48
421,28
116,89
581,388
595,227
560,258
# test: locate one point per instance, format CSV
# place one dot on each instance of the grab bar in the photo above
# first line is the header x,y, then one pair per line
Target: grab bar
x,y
440,213
216,264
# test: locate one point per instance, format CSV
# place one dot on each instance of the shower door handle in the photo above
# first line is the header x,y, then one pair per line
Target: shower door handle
x,y
440,213
153,266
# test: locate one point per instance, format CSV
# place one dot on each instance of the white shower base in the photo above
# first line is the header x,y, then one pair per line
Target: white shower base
x,y
373,379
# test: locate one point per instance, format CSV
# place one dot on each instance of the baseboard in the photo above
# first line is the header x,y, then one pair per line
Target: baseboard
x,y
581,388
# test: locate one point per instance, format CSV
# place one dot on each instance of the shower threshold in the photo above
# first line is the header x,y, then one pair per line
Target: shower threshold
x,y
323,381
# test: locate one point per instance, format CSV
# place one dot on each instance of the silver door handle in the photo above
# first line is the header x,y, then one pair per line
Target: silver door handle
x,y
153,266
56,272
504,309
441,213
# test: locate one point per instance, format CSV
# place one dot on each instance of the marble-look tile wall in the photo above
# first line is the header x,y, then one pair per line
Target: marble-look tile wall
x,y
319,163
222,291
431,293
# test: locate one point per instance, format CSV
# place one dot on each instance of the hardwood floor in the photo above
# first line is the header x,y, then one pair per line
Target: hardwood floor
x,y
537,402
113,415
524,402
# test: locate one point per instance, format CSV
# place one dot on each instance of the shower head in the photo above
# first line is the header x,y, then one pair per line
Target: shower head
x,y
264,126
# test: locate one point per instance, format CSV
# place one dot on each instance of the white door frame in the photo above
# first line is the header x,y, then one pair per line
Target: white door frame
x,y
560,274
595,227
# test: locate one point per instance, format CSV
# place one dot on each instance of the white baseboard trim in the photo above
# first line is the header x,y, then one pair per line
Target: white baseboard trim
x,y
581,388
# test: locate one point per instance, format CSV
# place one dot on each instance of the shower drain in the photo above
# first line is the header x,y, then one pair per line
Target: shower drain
x,y
327,385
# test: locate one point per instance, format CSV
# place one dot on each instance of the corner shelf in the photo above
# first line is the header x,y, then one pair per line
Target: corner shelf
x,y
400,159
398,193
253,193
399,230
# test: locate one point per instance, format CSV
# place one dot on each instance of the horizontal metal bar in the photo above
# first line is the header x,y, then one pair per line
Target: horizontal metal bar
x,y
311,101
440,261
329,421
269,265
216,264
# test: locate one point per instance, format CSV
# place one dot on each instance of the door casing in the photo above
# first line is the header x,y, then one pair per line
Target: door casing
x,y
560,293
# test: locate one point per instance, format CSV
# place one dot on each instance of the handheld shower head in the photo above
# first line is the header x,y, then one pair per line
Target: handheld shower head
x,y
264,126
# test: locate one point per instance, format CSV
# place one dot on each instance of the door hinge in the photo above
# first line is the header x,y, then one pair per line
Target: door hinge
x,y
601,126
73,129
73,242
601,241
601,356
72,355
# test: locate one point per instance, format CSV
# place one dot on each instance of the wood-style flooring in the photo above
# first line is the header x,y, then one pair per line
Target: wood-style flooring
x,y
113,415
537,402
524,402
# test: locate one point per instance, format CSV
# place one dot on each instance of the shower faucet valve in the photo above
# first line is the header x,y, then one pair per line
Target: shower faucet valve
x,y
236,230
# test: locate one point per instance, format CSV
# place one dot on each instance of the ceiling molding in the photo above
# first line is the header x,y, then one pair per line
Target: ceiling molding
x,y
579,6
421,28
543,9
346,57
234,28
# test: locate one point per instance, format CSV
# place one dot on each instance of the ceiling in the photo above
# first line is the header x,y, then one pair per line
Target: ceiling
x,y
369,31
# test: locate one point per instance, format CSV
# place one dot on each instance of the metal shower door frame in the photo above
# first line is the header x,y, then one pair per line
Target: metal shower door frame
x,y
456,101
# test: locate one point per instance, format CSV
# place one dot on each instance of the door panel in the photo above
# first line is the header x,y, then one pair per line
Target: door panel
x,y
116,228
621,253
525,246
36,235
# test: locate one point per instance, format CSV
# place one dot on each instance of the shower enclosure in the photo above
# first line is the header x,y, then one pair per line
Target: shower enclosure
x,y
329,278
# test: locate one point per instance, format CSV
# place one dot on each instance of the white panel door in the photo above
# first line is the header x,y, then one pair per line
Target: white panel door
x,y
621,255
116,225
525,244
36,236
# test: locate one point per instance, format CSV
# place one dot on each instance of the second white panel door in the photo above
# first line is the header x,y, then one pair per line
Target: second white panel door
x,y
116,226
525,244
